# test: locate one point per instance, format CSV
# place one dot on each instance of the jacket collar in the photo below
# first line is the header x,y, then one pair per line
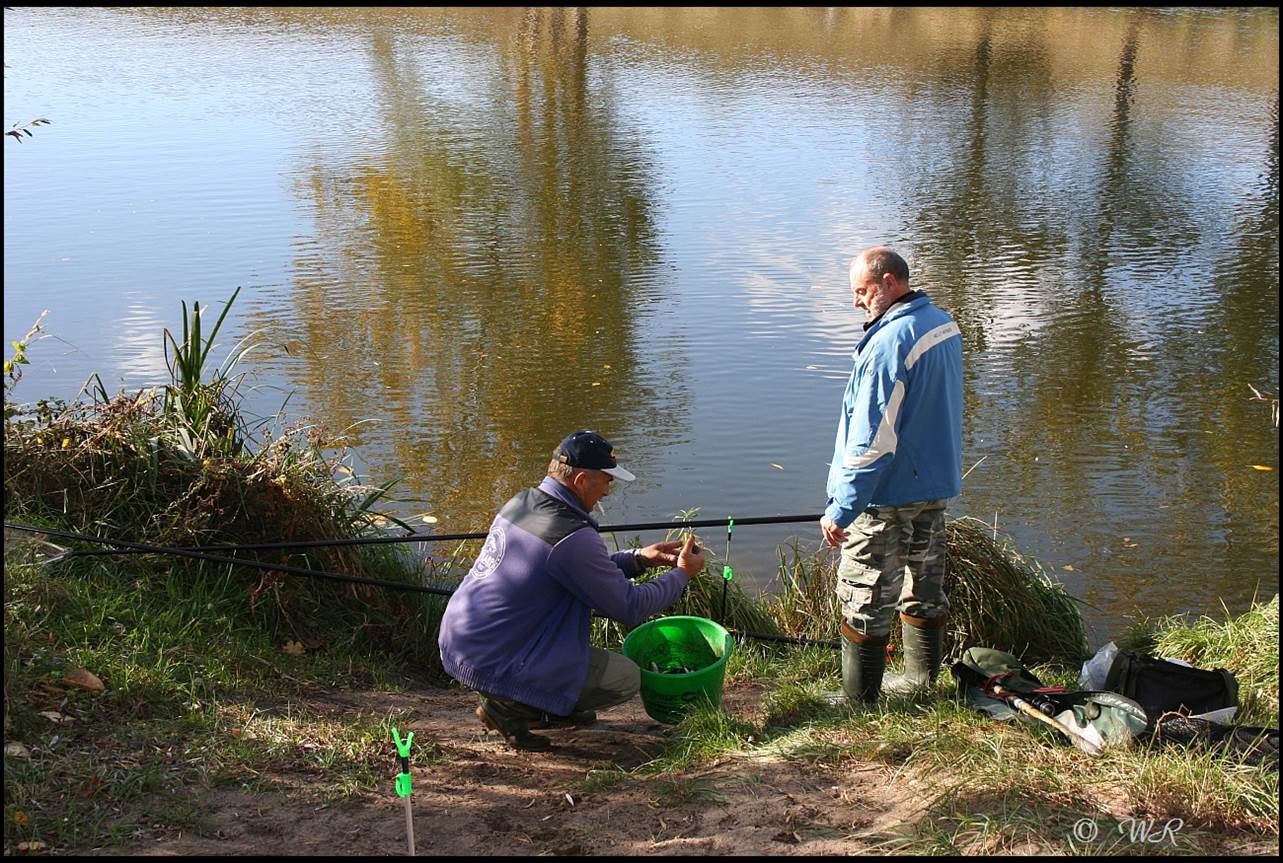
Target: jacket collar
x,y
916,300
566,496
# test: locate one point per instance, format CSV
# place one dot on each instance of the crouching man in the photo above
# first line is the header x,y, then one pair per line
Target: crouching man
x,y
517,629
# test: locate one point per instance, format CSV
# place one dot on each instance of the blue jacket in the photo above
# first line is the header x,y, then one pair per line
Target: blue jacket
x,y
518,625
899,437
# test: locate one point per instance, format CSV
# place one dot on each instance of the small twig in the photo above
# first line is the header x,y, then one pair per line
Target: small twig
x,y
1274,404
974,466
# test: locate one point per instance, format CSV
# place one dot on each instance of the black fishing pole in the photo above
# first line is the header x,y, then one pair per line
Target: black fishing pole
x,y
142,548
412,537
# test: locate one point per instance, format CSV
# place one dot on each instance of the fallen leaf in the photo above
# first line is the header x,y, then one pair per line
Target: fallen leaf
x,y
570,800
32,846
21,819
294,648
429,519
596,383
1067,568
780,466
788,836
90,786
314,643
1261,467
16,750
52,715
82,678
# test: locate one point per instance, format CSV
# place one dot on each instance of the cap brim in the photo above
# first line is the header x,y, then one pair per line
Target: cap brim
x,y
618,473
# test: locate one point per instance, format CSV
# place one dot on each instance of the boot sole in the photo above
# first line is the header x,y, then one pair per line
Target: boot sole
x,y
564,722
526,743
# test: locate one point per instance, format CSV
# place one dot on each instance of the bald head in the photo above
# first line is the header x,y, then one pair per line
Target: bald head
x,y
880,260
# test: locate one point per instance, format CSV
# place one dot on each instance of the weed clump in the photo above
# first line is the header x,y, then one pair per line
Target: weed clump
x,y
177,466
997,598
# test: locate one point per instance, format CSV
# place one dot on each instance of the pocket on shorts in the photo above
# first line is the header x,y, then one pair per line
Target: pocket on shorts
x,y
854,595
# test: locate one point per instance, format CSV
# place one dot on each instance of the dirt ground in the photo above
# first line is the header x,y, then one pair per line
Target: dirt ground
x,y
478,797
474,796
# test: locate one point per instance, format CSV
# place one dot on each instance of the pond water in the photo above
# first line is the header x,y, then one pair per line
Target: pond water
x,y
462,234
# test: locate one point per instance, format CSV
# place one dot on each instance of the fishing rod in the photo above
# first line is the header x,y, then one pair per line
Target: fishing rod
x,y
412,537
141,548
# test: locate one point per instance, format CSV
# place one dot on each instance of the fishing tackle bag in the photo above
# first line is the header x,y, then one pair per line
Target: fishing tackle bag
x,y
1160,686
1106,718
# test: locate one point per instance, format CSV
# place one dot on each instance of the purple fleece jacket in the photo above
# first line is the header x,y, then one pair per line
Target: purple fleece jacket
x,y
518,625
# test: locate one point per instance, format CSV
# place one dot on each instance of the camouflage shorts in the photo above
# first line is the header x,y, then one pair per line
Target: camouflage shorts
x,y
893,560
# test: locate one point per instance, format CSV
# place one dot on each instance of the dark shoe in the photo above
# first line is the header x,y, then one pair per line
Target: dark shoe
x,y
923,651
505,717
864,659
576,719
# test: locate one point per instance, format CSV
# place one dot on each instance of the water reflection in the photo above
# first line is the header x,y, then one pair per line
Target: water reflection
x,y
483,283
453,222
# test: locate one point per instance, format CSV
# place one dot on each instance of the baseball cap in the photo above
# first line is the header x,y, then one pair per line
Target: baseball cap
x,y
587,449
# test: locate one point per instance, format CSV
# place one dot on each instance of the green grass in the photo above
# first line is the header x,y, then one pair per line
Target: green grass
x,y
192,654
188,672
1005,788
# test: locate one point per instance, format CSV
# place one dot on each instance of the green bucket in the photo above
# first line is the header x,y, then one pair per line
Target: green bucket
x,y
690,654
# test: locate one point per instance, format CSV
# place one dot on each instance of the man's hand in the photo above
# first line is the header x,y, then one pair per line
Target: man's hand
x,y
660,554
690,559
833,535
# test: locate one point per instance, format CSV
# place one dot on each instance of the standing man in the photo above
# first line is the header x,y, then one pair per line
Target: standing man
x,y
517,628
896,461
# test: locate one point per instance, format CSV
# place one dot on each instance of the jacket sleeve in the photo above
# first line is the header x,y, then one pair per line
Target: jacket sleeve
x,y
872,434
627,562
581,564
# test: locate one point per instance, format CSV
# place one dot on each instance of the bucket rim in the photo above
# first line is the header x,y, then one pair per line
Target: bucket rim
x,y
676,617
728,640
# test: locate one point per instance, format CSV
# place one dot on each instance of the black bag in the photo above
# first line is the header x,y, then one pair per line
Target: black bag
x,y
1249,744
1160,686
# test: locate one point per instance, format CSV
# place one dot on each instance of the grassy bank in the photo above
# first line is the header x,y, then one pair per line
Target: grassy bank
x,y
182,655
134,683
996,788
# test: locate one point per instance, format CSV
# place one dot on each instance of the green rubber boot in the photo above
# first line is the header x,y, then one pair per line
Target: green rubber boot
x,y
864,659
923,651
